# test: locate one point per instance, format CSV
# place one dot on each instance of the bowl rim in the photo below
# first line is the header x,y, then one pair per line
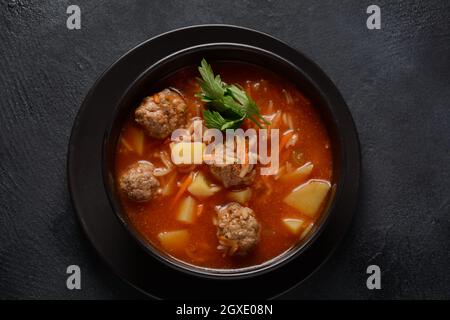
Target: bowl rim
x,y
183,266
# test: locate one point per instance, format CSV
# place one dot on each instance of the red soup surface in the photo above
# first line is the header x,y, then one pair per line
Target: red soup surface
x,y
305,161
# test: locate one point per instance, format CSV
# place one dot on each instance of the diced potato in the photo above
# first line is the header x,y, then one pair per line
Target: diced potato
x,y
135,139
174,241
187,210
299,174
187,152
294,225
241,196
170,185
308,197
201,188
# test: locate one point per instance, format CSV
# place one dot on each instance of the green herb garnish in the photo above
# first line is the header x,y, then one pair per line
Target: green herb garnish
x,y
228,105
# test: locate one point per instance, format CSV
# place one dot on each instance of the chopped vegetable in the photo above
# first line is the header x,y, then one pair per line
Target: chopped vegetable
x,y
187,152
308,197
299,174
159,172
182,189
135,139
228,105
187,210
170,185
174,241
200,209
241,196
201,188
294,225
168,166
292,141
285,139
165,159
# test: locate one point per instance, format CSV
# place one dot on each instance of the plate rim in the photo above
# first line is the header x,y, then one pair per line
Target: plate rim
x,y
85,105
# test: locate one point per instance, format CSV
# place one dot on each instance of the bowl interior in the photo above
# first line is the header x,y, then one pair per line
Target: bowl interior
x,y
150,82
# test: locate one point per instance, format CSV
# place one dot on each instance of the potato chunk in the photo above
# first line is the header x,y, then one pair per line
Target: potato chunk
x,y
174,241
294,225
187,152
241,196
134,140
201,188
187,210
308,197
299,174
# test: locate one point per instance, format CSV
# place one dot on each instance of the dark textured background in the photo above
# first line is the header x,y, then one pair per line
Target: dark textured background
x,y
396,82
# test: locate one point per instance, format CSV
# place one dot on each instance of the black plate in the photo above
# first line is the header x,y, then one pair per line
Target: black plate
x,y
113,242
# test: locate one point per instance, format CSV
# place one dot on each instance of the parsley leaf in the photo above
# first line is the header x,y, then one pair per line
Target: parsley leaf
x,y
249,105
212,87
228,105
214,119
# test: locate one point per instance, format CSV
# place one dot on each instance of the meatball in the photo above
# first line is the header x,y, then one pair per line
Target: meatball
x,y
237,229
233,174
139,183
161,113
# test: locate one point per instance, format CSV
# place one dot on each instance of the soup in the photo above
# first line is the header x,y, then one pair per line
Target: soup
x,y
223,216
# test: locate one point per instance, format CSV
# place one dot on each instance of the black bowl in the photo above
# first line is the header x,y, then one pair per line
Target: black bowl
x,y
151,79
226,43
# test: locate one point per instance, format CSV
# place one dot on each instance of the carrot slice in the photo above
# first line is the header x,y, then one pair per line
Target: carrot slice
x,y
199,210
182,189
285,139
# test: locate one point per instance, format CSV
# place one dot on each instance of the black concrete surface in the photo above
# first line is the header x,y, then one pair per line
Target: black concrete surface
x,y
396,82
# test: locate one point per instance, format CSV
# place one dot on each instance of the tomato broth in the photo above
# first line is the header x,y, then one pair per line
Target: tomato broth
x,y
288,110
